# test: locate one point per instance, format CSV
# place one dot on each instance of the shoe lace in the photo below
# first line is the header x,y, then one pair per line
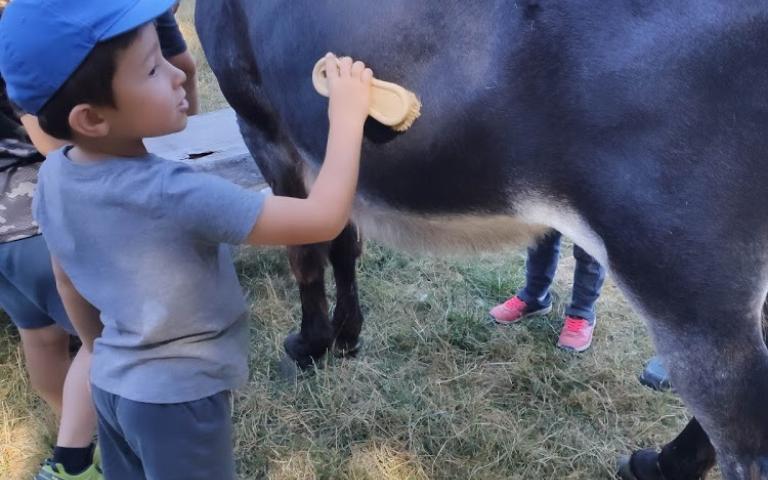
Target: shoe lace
x,y
574,326
42,474
515,303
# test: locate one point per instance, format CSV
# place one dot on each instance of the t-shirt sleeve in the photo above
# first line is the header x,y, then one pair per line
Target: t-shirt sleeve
x,y
209,207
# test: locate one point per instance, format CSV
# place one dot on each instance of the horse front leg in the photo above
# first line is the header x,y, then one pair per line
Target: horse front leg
x,y
308,346
282,168
347,316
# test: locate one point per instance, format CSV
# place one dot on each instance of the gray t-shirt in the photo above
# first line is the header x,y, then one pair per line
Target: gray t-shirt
x,y
144,240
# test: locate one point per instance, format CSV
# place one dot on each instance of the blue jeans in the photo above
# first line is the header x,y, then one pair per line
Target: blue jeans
x,y
540,268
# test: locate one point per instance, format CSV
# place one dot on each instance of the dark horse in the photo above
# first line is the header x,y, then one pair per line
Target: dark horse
x,y
639,128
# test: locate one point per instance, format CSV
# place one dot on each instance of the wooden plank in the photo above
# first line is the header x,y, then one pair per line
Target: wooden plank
x,y
211,143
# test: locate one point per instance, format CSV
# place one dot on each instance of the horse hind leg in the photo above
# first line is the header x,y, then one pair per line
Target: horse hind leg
x,y
709,334
722,374
690,456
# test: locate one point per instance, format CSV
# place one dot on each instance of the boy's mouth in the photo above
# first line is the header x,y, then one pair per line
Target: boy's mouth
x,y
184,105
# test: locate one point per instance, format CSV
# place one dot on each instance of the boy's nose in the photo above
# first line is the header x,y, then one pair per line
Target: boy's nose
x,y
179,76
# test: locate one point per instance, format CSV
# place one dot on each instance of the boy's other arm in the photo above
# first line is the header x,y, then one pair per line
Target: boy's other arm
x,y
83,315
324,213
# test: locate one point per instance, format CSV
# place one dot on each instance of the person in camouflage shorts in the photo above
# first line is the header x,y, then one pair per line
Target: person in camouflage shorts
x,y
28,295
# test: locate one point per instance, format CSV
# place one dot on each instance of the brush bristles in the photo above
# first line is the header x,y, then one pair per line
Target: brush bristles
x,y
414,112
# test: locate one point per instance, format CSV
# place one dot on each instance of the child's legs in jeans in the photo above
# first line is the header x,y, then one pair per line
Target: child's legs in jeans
x,y
190,441
588,278
540,271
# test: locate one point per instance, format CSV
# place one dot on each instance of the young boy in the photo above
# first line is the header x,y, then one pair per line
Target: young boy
x,y
142,239
27,287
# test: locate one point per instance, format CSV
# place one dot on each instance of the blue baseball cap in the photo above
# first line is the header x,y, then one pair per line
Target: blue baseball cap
x,y
43,42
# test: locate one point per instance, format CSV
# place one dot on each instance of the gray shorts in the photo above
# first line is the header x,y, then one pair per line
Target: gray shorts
x,y
177,441
27,287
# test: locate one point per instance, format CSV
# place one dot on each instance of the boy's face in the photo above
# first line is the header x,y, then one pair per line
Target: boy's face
x,y
149,97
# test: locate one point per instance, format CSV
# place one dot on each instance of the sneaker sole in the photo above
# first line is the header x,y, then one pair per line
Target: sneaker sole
x,y
655,383
575,350
543,311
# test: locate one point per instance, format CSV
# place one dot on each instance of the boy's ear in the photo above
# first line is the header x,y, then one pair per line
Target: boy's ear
x,y
86,120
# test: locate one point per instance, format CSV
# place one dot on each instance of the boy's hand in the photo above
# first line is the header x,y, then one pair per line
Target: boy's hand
x,y
349,86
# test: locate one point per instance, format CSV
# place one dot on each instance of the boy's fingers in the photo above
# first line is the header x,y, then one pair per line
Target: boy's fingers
x,y
367,75
331,65
357,69
345,65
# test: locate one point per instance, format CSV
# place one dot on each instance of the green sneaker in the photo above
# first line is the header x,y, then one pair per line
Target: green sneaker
x,y
55,471
97,455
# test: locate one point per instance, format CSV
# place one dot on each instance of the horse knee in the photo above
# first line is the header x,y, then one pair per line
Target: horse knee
x,y
308,263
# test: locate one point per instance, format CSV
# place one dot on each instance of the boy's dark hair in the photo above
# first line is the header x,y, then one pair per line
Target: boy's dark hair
x,y
91,83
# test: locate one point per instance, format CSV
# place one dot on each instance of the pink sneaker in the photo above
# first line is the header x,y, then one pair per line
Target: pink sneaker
x,y
576,334
514,310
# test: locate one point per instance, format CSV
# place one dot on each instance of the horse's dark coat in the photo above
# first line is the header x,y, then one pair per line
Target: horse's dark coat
x,y
638,127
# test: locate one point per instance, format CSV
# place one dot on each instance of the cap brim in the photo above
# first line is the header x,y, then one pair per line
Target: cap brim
x,y
143,11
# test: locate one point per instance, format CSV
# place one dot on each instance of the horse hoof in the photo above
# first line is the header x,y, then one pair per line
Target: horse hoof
x,y
296,350
655,376
642,465
343,350
288,370
625,470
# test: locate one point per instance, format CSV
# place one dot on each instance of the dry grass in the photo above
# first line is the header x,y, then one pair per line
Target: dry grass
x,y
25,424
438,393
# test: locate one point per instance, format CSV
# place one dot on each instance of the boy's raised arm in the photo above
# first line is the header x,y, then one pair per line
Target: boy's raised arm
x,y
83,315
324,213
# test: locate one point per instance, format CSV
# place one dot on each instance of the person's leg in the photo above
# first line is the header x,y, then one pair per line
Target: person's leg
x,y
588,279
63,384
540,269
579,322
79,421
175,51
26,281
118,459
28,293
190,441
46,356
534,298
